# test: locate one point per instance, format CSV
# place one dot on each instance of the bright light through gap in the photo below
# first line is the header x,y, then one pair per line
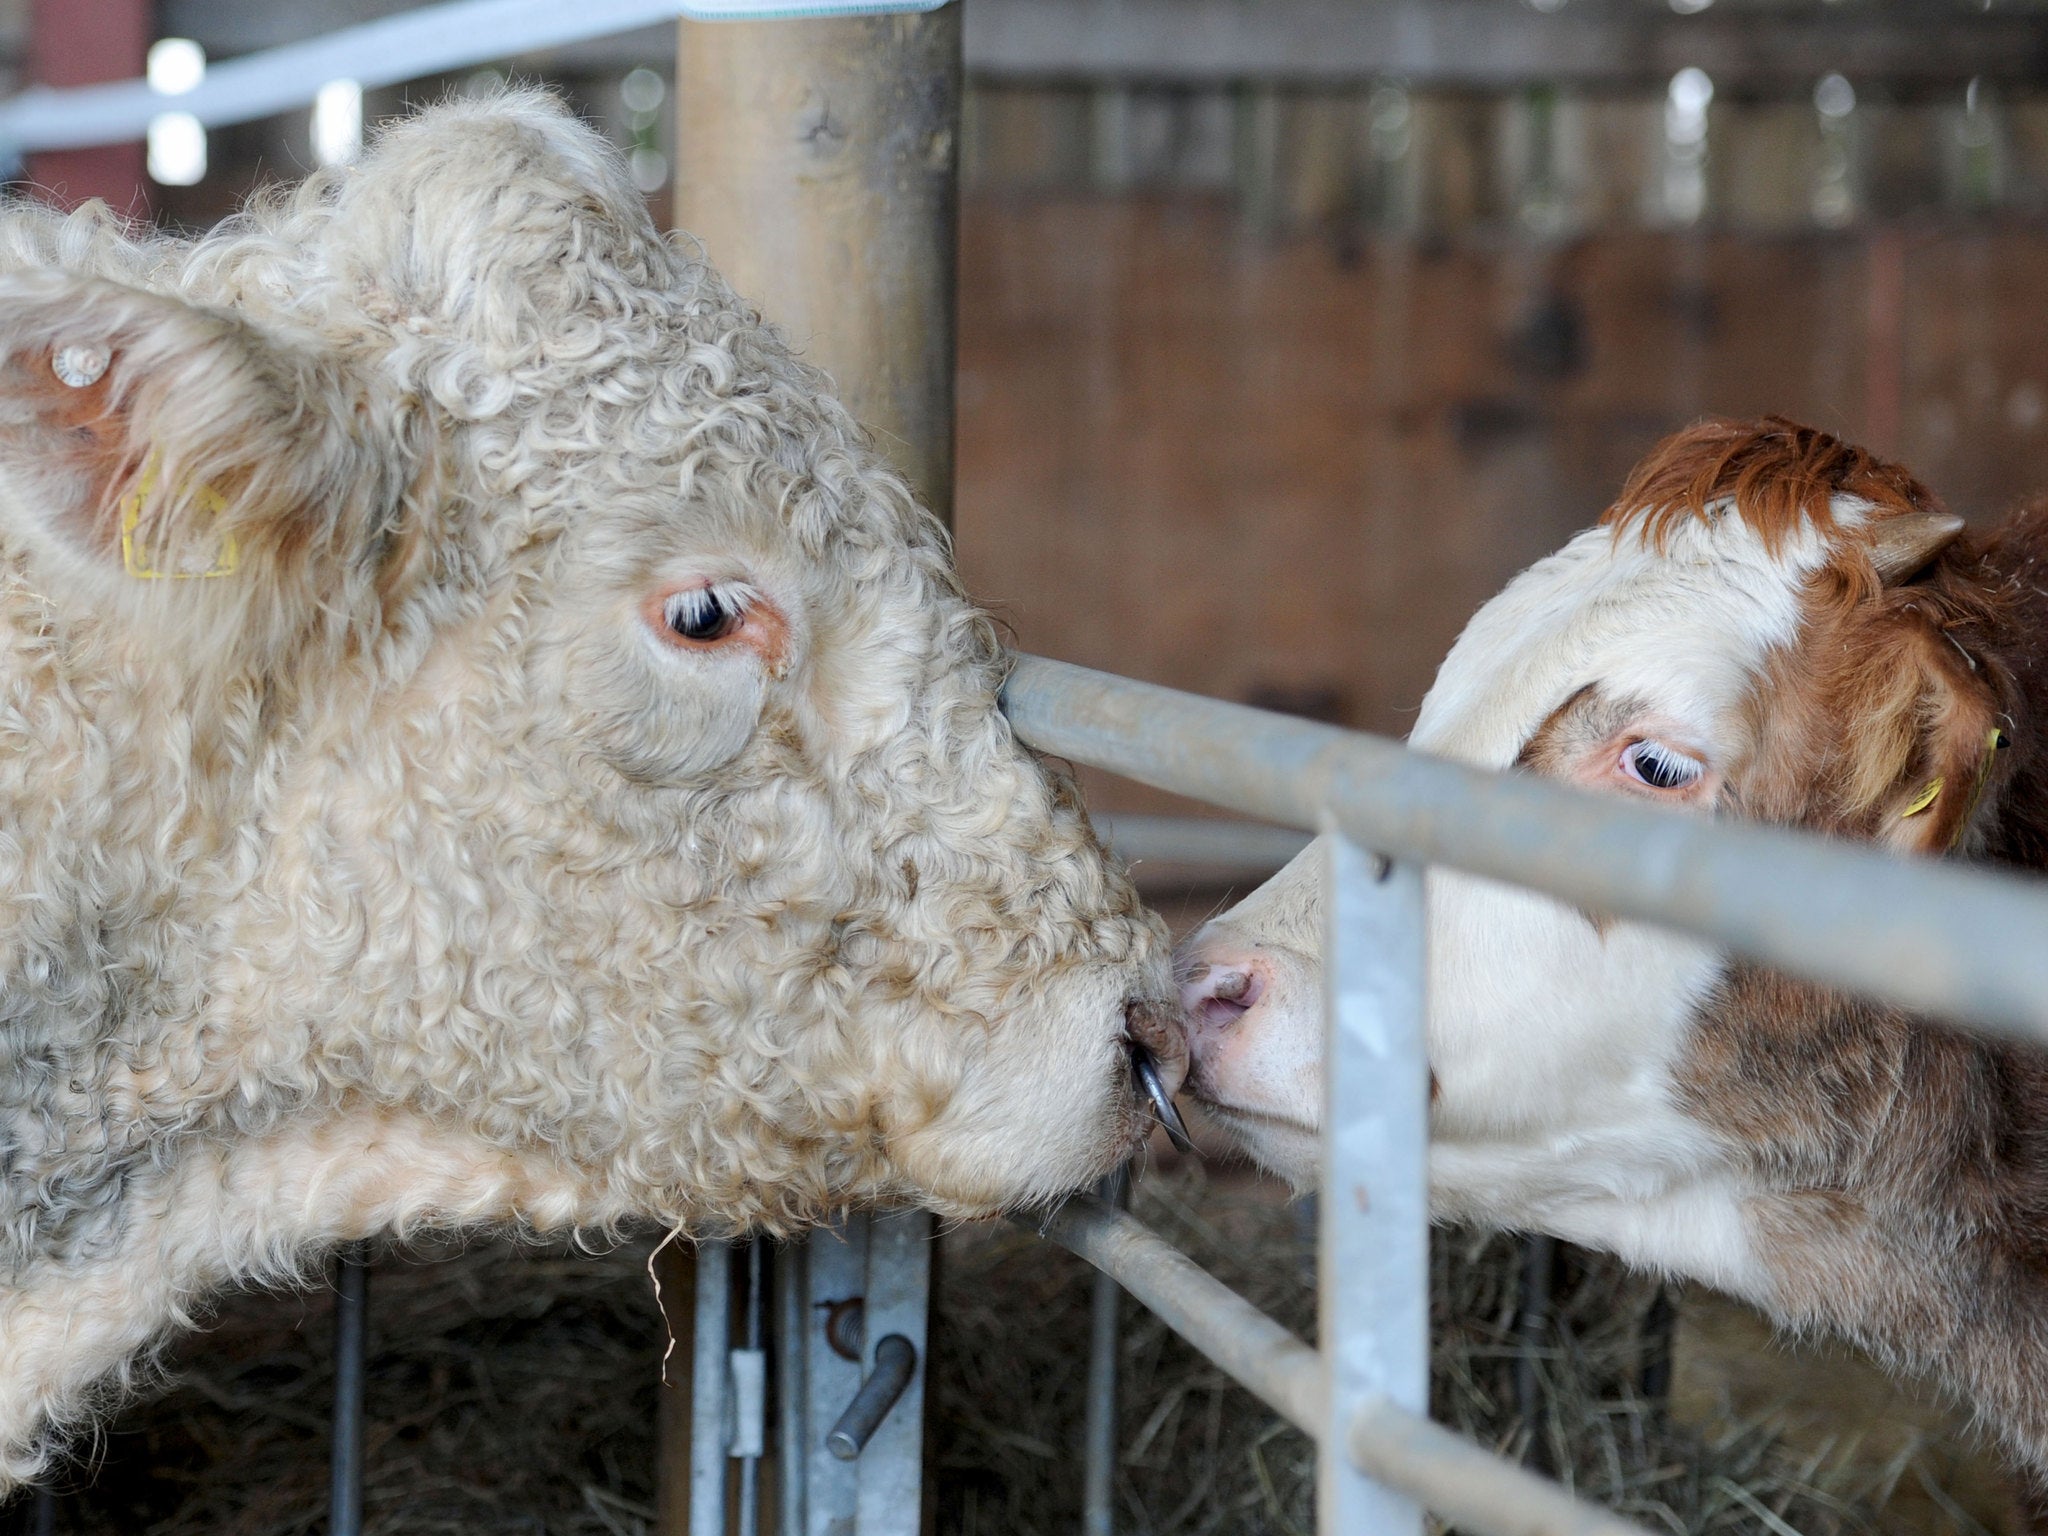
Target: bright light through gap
x,y
338,122
176,65
177,150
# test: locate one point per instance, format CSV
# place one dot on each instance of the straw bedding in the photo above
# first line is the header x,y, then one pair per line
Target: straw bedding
x,y
514,1392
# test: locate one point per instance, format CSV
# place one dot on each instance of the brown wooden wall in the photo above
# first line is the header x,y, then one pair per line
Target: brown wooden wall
x,y
1288,468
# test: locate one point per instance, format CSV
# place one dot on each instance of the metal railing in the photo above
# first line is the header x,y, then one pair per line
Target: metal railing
x,y
1957,943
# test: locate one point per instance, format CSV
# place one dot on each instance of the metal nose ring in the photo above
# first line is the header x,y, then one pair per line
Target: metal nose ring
x,y
1146,1070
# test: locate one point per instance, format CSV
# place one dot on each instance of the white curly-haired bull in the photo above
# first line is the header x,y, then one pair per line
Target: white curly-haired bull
x,y
483,739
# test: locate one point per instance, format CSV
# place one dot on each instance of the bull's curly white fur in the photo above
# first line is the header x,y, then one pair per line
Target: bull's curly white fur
x,y
404,876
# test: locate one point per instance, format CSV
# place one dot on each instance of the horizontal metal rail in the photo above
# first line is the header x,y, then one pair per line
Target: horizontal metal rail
x,y
1446,1473
1959,943
1272,1363
1208,845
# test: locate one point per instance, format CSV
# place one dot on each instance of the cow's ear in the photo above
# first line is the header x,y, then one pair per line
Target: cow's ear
x,y
1949,739
168,466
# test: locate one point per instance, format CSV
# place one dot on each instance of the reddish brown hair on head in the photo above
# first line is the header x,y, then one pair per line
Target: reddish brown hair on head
x,y
1779,475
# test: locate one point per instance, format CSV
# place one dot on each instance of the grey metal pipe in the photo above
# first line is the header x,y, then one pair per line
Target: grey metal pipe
x,y
1284,1372
1958,943
895,1364
1209,843
1098,1430
1477,1490
1471,1488
351,1354
756,1326
710,1389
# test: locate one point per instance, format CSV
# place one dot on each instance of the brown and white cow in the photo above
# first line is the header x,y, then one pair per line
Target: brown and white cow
x,y
483,739
1768,624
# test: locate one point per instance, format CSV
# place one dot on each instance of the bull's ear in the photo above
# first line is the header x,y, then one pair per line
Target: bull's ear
x,y
168,466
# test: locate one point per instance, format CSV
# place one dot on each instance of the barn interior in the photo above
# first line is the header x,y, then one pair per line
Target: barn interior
x,y
1288,331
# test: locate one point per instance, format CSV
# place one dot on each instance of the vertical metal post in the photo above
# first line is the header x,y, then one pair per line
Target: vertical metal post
x,y
792,1294
1374,1261
1532,1337
351,1352
898,1305
835,1265
750,1453
818,161
710,1389
1098,1435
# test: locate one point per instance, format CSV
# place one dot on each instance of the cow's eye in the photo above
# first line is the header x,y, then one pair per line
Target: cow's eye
x,y
1659,766
701,614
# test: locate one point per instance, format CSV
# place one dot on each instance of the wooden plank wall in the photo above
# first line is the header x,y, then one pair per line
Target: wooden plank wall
x,y
1289,465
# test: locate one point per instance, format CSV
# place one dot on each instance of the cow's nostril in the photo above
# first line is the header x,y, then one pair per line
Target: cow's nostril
x,y
1221,995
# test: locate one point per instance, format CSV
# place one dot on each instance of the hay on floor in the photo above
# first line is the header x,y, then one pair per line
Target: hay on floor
x,y
513,1392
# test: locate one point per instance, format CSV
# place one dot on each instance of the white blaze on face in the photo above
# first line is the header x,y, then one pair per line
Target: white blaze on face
x,y
1552,1038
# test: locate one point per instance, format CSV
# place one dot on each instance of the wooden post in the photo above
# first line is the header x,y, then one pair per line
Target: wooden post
x,y
676,1267
818,161
86,42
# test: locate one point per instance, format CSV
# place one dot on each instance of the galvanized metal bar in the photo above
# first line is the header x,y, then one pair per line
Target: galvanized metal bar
x,y
710,1389
1471,1488
895,1364
1534,1280
1958,943
1483,1494
898,1306
1098,1429
834,1342
351,1354
791,1374
1373,1257
1264,1357
749,1455
1209,843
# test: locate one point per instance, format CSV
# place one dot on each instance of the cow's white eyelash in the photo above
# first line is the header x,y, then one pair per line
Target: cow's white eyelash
x,y
1661,767
699,612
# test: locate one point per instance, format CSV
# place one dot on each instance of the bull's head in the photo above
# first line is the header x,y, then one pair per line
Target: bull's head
x,y
571,730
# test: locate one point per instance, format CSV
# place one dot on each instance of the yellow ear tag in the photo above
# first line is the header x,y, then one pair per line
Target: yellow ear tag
x,y
1924,799
135,554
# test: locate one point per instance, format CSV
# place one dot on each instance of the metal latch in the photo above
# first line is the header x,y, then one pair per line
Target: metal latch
x,y
895,1364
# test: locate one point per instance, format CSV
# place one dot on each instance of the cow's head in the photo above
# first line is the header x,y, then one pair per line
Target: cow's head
x,y
607,757
1751,631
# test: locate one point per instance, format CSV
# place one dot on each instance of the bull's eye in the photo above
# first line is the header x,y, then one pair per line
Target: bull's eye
x,y
701,614
1659,766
